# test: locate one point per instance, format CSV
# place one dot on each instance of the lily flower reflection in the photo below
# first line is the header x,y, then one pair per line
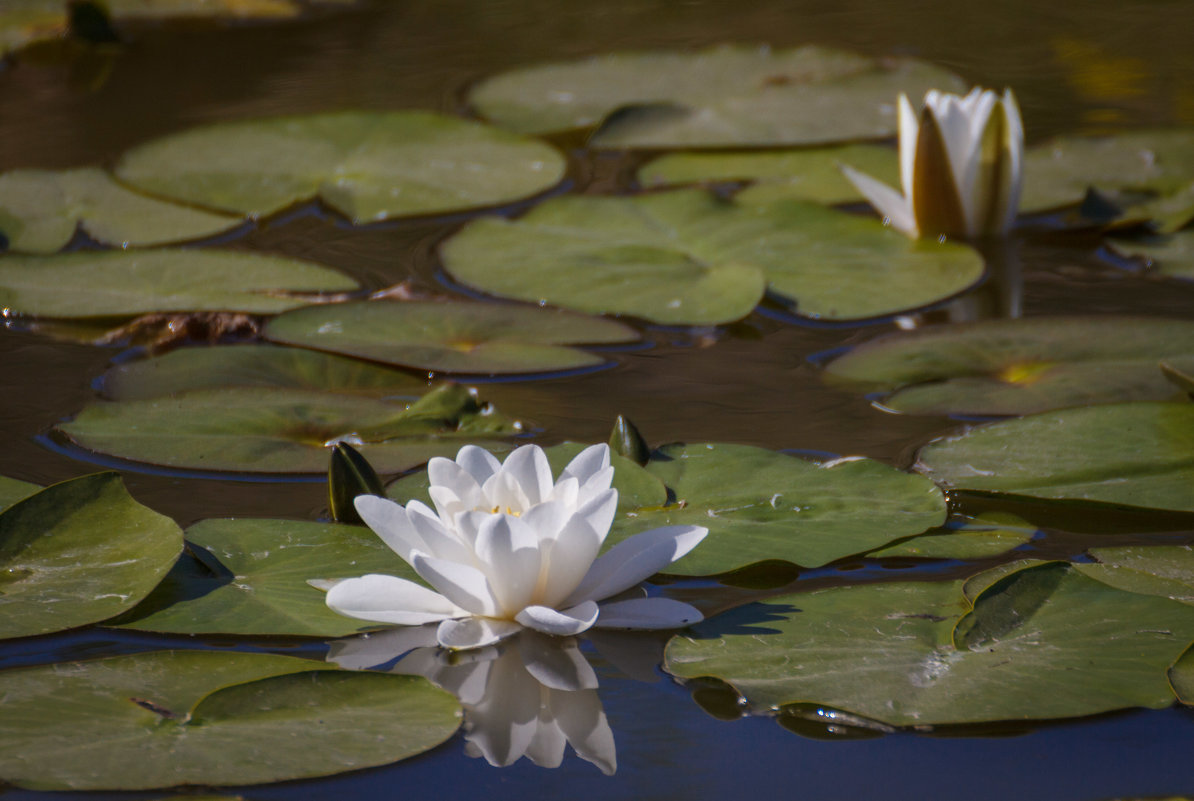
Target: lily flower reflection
x,y
507,548
529,696
961,166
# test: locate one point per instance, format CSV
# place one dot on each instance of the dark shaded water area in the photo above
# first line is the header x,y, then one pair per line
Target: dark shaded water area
x,y
1076,68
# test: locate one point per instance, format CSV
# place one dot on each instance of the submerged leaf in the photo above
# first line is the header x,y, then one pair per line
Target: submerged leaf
x,y
169,718
1172,256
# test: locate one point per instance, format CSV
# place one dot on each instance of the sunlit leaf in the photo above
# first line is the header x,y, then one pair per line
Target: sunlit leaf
x,y
41,209
762,505
254,366
77,553
124,283
165,718
1164,570
283,431
451,337
1168,255
1043,642
805,174
13,490
1018,366
258,584
721,96
366,165
979,538
686,257
1131,454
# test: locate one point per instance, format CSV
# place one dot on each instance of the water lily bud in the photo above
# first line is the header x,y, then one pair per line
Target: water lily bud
x,y
625,440
961,167
350,475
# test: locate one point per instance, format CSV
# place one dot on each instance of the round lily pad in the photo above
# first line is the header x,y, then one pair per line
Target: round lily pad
x,y
251,577
1168,255
805,174
254,366
41,209
125,283
366,165
1058,173
13,490
721,96
77,553
761,505
1018,366
1165,570
451,337
170,718
283,431
636,487
1044,642
686,257
978,538
1131,454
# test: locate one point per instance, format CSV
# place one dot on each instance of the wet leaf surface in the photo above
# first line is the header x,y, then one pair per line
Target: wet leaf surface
x,y
451,337
164,718
1019,366
366,165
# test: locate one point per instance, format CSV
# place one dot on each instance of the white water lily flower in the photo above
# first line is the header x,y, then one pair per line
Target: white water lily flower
x,y
961,166
507,547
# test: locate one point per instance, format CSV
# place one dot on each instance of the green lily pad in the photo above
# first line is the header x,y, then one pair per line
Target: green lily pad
x,y
1131,454
283,431
806,174
718,97
1058,173
1018,366
451,337
979,538
1044,642
686,257
1168,255
254,366
1166,214
40,210
366,165
13,490
170,718
636,487
79,552
124,283
1179,372
1164,570
258,582
761,505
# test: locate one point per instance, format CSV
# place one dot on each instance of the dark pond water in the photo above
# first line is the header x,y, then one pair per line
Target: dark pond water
x,y
1079,67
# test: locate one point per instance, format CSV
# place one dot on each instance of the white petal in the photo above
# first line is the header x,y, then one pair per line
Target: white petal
x,y
474,632
389,599
566,492
1015,157
909,131
503,492
480,463
375,649
438,540
503,723
465,674
465,586
556,663
559,624
890,204
588,463
546,748
567,561
635,559
546,520
509,554
648,613
598,483
530,468
390,522
452,487
599,511
582,719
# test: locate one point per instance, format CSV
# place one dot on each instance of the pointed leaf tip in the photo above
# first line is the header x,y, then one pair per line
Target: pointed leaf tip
x,y
350,475
625,440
